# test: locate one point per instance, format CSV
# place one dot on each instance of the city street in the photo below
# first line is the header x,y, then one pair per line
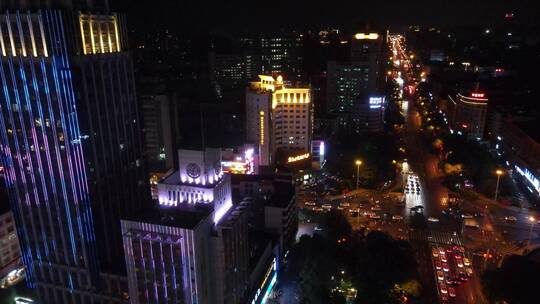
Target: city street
x,y
435,196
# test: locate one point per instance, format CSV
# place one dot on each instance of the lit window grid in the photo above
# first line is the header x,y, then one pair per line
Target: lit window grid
x,y
99,34
22,35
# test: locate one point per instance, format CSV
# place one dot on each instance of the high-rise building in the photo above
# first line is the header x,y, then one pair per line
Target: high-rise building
x,y
71,145
347,85
281,54
229,71
279,117
367,48
159,133
351,86
193,248
467,114
351,83
281,213
521,142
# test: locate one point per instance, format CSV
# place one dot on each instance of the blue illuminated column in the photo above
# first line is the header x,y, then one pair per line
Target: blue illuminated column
x,y
41,150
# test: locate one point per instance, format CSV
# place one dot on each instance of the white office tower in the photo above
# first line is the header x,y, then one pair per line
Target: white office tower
x,y
279,117
193,247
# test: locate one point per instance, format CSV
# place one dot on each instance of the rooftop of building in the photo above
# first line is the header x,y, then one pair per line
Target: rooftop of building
x,y
282,196
185,216
174,179
235,213
268,84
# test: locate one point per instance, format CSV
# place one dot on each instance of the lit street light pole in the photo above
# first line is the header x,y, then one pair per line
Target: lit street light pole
x,y
358,163
532,220
499,172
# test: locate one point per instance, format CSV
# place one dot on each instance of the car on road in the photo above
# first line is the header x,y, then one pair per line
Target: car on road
x,y
435,252
471,223
459,261
463,276
451,292
442,288
445,267
317,228
466,262
440,275
327,206
444,299
345,204
433,219
438,265
510,218
309,203
397,217
467,216
450,280
443,258
469,271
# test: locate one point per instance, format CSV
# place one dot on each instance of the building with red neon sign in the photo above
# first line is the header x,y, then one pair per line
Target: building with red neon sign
x,y
467,114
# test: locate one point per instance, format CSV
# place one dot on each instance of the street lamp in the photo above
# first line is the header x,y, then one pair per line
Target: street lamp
x,y
499,172
358,163
532,220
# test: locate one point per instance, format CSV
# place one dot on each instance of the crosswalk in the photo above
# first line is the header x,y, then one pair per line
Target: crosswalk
x,y
435,237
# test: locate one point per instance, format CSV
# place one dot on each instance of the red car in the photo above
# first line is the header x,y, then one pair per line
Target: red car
x,y
438,265
451,292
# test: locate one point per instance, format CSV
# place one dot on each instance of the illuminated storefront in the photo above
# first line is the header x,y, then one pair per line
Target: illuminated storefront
x,y
318,151
532,181
243,163
297,158
267,284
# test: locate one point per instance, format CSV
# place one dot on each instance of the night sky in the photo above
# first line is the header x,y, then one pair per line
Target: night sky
x,y
190,15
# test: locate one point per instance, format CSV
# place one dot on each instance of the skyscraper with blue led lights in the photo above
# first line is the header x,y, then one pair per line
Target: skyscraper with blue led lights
x,y
70,143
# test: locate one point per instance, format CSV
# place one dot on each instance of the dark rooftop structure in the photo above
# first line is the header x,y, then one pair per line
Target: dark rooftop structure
x,y
282,196
185,216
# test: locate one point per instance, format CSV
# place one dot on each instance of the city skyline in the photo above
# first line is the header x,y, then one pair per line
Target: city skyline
x,y
269,153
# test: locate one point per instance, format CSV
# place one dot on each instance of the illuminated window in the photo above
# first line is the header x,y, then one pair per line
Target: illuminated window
x,y
99,34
